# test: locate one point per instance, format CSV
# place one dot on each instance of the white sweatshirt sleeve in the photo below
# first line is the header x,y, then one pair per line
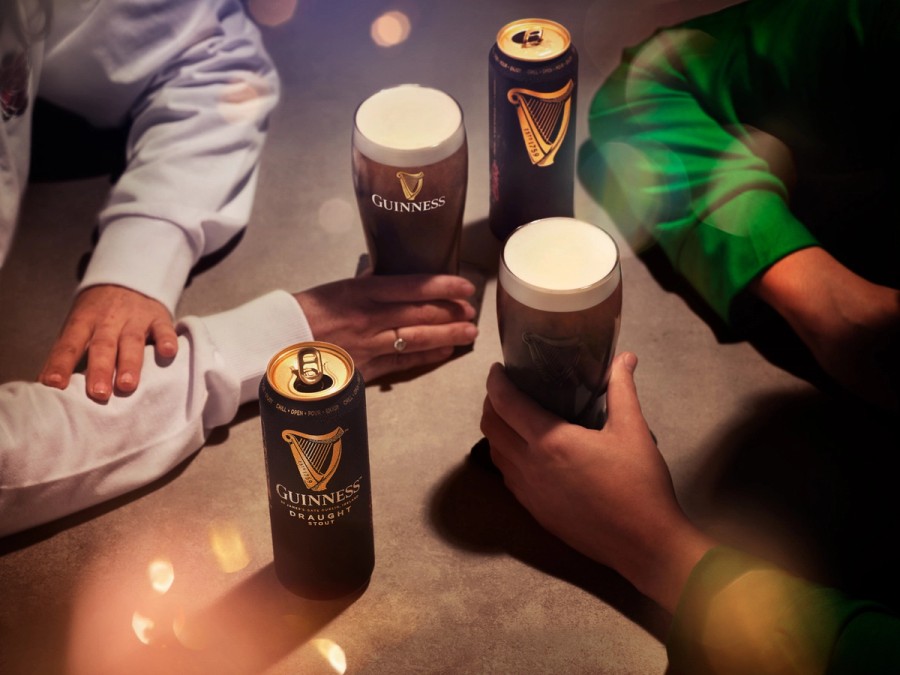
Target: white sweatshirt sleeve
x,y
61,452
194,81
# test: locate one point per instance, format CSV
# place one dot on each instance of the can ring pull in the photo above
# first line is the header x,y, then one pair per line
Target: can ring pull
x,y
309,362
526,38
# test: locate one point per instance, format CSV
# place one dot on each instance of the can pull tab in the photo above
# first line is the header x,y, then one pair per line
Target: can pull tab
x,y
309,365
309,373
528,38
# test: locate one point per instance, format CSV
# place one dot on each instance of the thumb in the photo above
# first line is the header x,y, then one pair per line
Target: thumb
x,y
624,408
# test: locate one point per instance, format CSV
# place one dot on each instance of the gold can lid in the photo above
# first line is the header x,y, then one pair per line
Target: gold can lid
x,y
533,39
310,371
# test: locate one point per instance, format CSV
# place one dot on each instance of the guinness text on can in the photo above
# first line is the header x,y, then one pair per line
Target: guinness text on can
x,y
315,436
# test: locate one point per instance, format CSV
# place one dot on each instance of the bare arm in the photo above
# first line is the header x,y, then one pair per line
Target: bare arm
x,y
848,323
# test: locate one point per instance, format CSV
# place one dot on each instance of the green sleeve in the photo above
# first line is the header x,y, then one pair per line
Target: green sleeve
x,y
716,210
674,128
738,614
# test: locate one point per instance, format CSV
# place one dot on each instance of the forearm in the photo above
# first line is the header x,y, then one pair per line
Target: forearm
x,y
658,563
679,162
196,86
61,452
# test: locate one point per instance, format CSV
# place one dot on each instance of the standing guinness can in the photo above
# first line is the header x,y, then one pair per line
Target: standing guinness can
x,y
533,84
315,434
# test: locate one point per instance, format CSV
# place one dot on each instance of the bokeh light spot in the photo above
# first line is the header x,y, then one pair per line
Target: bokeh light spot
x,y
228,546
336,216
161,574
390,29
333,653
143,627
272,12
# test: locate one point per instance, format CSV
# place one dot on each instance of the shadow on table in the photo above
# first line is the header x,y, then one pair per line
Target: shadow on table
x,y
806,480
473,509
801,479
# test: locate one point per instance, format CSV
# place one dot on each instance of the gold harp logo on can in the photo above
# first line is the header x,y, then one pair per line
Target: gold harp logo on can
x,y
317,457
544,120
411,184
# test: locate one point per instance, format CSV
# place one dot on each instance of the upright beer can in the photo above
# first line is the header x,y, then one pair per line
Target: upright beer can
x,y
533,83
315,435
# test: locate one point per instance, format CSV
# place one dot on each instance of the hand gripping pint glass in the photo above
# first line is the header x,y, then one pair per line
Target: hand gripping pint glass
x,y
313,414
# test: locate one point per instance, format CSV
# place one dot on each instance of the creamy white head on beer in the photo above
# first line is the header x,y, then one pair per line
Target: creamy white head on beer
x,y
409,125
560,265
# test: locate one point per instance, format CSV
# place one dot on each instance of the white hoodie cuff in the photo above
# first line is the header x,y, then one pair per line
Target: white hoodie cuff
x,y
248,336
152,257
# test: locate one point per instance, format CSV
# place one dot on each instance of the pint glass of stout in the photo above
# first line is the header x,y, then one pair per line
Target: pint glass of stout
x,y
559,306
410,172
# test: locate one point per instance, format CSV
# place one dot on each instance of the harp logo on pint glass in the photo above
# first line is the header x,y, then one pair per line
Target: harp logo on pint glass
x,y
410,173
559,306
317,457
555,361
411,183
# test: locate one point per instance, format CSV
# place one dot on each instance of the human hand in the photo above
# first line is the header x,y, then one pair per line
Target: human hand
x,y
606,493
366,315
112,325
851,326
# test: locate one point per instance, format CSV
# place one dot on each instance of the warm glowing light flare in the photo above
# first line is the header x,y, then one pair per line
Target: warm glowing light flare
x,y
143,627
161,574
272,12
390,29
228,546
333,653
337,216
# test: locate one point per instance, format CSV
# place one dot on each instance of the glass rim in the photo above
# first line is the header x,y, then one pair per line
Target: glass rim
x,y
404,157
548,299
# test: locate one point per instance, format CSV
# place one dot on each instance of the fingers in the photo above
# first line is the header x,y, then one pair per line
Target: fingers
x,y
419,288
165,338
502,438
128,356
425,338
111,325
101,353
423,346
624,408
523,415
65,353
397,362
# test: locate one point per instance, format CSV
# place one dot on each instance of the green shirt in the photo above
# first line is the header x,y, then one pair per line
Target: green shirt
x,y
738,614
674,127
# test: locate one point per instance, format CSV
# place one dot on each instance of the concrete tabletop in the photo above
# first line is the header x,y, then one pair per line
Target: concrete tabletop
x,y
465,581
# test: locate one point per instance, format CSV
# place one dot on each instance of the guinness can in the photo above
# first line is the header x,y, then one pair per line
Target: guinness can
x,y
315,435
533,85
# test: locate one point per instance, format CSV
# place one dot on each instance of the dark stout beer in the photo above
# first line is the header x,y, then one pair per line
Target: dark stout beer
x,y
410,172
313,414
533,86
559,306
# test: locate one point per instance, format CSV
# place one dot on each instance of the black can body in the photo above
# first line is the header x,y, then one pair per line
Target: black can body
x,y
317,470
533,86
